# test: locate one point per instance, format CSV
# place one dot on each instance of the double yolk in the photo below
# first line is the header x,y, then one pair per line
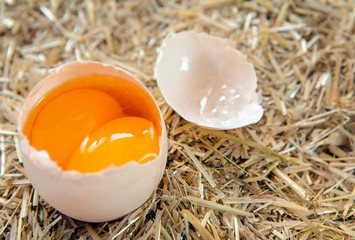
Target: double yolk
x,y
87,130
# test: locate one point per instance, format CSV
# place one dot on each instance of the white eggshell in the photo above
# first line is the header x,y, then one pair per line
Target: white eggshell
x,y
207,81
91,197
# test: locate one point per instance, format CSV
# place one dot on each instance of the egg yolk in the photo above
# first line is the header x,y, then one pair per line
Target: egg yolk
x,y
66,120
86,130
116,143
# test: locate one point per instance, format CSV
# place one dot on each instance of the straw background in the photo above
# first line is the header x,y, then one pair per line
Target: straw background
x,y
290,176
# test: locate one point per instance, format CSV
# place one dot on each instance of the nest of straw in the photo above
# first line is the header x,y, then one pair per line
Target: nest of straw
x,y
290,176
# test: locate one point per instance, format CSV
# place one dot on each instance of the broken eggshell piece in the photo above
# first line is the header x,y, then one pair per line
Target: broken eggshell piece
x,y
207,81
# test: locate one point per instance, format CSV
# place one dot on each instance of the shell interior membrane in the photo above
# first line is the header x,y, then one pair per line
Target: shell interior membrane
x,y
207,81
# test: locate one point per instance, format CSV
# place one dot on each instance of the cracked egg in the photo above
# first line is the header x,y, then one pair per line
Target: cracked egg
x,y
93,141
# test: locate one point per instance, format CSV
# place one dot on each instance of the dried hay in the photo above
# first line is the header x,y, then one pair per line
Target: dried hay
x,y
290,176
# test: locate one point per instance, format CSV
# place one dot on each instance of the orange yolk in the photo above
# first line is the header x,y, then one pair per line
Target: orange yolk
x,y
66,120
116,143
86,130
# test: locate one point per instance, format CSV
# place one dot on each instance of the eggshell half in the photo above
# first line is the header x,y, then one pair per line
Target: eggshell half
x,y
207,81
100,196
